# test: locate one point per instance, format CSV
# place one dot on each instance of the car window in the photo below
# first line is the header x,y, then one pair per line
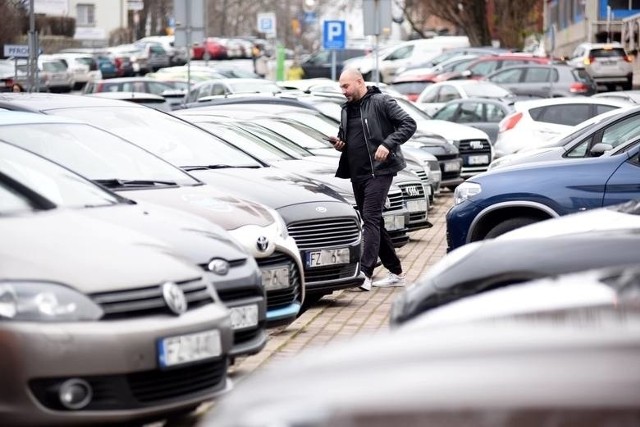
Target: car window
x,y
447,93
564,114
483,68
604,108
217,89
507,76
470,112
321,57
580,150
447,112
401,53
459,65
431,94
540,75
607,53
581,75
622,131
511,63
494,113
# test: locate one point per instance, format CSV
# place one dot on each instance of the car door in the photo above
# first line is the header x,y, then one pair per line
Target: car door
x,y
537,81
509,79
624,184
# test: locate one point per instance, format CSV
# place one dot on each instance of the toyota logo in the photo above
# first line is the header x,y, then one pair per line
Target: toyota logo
x,y
174,297
262,244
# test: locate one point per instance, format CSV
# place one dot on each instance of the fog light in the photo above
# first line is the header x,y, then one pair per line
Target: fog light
x,y
75,393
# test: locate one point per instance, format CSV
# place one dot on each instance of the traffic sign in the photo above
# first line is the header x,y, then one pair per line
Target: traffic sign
x,y
334,35
16,50
267,23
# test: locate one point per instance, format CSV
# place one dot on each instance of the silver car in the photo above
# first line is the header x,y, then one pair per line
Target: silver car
x,y
99,323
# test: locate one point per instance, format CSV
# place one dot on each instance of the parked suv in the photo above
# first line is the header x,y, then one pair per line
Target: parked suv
x,y
607,63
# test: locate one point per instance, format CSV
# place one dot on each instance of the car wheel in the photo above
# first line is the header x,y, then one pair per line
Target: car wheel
x,y
629,84
508,225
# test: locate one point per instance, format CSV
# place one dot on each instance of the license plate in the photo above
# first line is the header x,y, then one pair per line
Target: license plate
x,y
182,349
327,257
245,316
394,222
478,160
275,278
451,166
417,205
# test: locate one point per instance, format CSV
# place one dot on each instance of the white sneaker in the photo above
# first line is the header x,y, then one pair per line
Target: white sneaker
x,y
366,285
391,280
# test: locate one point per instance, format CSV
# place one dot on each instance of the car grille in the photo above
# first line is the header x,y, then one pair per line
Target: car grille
x,y
130,391
444,158
149,300
324,233
423,176
414,192
474,147
281,298
321,274
395,201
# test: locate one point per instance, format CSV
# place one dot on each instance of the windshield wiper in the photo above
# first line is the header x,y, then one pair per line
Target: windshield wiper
x,y
216,166
119,183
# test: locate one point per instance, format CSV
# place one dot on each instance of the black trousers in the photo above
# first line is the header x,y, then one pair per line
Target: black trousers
x,y
371,194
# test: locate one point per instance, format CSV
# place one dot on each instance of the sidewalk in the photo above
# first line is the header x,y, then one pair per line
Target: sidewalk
x,y
348,313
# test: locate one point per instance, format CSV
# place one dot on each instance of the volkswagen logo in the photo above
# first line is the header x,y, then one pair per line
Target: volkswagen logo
x,y
174,297
262,244
476,145
219,266
321,209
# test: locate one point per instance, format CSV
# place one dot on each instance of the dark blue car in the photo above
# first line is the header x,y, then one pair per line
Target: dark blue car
x,y
490,204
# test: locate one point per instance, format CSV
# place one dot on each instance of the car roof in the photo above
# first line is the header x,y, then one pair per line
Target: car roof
x,y
52,101
23,117
534,103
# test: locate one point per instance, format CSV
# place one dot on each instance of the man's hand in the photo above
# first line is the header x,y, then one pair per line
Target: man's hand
x,y
381,153
338,144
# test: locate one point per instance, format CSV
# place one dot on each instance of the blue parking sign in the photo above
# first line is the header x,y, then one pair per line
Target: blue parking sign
x,y
334,35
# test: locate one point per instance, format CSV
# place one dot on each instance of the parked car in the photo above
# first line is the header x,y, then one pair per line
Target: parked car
x,y
488,64
54,73
105,61
480,113
147,99
306,207
490,204
435,96
544,80
606,134
632,96
233,272
451,53
72,323
130,59
562,367
129,84
607,64
153,57
177,55
83,66
222,87
210,48
544,249
319,64
536,122
128,169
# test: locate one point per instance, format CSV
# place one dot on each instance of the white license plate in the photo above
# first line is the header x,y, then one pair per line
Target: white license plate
x,y
478,160
245,316
327,257
275,278
417,205
394,222
451,166
189,348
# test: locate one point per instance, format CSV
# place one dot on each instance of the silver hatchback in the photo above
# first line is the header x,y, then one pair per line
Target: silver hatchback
x,y
607,64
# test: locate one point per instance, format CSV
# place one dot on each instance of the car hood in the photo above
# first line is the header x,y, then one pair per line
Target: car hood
x,y
89,254
190,236
534,155
205,201
273,187
451,131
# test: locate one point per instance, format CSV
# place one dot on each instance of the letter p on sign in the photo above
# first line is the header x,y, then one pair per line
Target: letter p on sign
x,y
334,35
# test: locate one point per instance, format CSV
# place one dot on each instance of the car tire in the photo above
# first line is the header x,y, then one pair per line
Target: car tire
x,y
508,225
629,84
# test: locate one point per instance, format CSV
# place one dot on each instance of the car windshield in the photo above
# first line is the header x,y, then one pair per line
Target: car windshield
x,y
55,183
324,125
93,153
277,140
307,138
168,137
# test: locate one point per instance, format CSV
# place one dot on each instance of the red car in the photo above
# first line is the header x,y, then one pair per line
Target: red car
x,y
485,65
212,46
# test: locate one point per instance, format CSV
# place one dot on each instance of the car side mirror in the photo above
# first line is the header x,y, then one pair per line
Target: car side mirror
x,y
599,149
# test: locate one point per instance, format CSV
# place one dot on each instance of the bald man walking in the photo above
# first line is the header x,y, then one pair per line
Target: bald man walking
x,y
372,129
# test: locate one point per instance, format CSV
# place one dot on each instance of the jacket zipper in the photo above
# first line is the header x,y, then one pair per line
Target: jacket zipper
x,y
365,128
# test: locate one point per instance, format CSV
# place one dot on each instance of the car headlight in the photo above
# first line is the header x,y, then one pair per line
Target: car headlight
x,y
43,301
281,226
466,190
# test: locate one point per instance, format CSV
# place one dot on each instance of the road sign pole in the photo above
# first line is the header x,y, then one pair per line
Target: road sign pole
x,y
333,64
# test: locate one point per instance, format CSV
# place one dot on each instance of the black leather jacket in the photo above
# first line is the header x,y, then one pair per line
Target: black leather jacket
x,y
384,122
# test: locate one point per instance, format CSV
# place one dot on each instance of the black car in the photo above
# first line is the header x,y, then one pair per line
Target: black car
x,y
480,266
324,226
544,80
319,64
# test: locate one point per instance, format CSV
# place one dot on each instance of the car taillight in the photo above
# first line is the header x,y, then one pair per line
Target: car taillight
x,y
118,63
628,58
578,88
589,60
510,122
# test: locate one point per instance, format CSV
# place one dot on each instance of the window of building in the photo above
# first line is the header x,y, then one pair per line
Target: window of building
x,y
86,15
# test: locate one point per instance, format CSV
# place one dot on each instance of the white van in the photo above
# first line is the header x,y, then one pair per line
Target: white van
x,y
404,54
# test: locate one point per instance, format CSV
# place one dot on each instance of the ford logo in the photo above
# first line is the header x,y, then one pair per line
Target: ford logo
x,y
174,297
